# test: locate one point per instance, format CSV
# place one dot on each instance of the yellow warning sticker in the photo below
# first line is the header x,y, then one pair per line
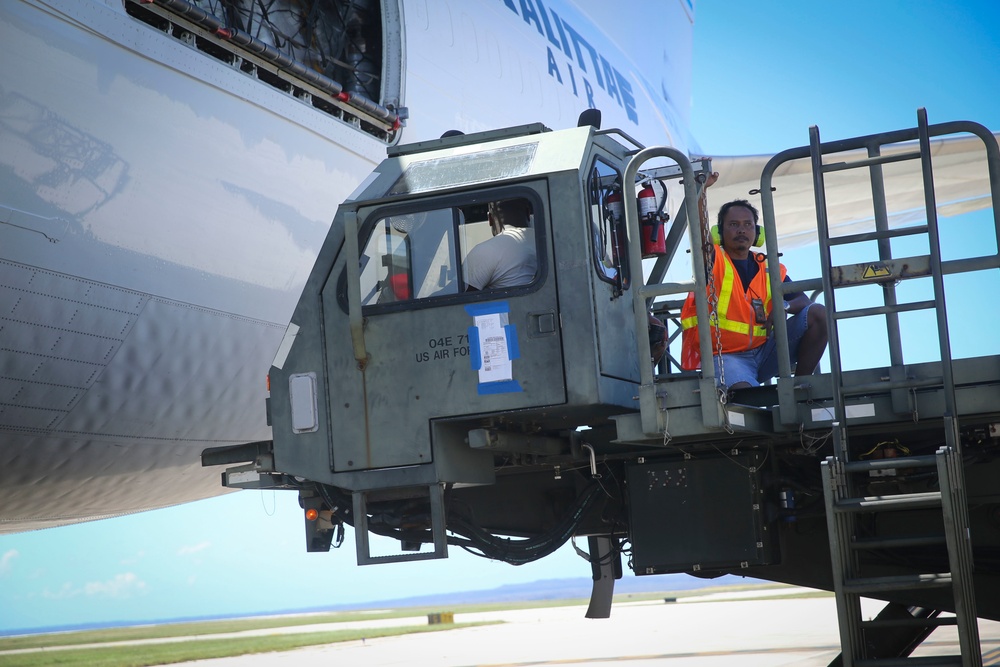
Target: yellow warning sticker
x,y
876,271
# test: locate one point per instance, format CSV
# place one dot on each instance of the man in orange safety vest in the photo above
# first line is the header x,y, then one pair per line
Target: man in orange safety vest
x,y
740,281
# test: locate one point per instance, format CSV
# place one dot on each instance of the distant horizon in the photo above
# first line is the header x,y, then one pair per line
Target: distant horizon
x,y
566,588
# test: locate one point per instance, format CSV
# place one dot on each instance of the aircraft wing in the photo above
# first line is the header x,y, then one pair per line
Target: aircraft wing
x,y
961,185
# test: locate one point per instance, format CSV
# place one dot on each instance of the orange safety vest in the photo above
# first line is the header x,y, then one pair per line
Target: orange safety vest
x,y
737,324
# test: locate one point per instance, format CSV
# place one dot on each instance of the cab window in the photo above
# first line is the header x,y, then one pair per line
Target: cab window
x,y
410,256
607,224
445,251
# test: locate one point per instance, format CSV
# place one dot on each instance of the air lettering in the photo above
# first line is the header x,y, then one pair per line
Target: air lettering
x,y
553,67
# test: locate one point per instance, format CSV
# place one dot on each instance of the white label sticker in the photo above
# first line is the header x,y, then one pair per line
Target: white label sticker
x,y
302,396
243,477
496,365
823,414
863,410
852,411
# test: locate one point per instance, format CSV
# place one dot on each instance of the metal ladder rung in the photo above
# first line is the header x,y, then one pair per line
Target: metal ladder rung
x,y
930,304
874,236
902,501
922,661
843,509
899,542
897,583
936,622
871,161
883,385
891,464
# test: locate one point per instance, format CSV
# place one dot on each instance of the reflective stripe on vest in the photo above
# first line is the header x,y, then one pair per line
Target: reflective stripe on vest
x,y
734,317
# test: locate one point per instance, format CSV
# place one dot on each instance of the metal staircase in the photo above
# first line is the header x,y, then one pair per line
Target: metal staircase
x,y
845,479
851,582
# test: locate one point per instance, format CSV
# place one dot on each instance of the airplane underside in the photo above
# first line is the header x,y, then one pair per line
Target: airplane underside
x,y
162,201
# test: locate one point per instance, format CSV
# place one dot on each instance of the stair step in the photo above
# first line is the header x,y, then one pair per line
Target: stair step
x,y
897,583
922,661
891,464
929,304
935,622
873,160
886,385
874,236
898,542
902,501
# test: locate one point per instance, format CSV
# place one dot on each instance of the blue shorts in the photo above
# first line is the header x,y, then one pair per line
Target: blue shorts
x,y
761,363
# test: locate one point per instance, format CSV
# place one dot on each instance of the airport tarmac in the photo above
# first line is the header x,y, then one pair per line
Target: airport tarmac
x,y
695,632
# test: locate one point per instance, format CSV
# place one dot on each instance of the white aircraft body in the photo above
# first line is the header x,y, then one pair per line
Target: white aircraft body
x,y
169,170
164,192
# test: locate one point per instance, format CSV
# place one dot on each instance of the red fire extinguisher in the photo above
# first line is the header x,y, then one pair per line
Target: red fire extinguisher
x,y
651,237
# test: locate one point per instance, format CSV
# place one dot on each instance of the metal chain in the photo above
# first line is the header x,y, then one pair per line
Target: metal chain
x,y
666,423
713,297
713,307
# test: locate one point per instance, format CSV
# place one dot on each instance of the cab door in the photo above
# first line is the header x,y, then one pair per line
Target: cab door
x,y
611,282
434,347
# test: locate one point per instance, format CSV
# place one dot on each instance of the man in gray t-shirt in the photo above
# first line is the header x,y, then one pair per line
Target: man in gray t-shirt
x,y
508,259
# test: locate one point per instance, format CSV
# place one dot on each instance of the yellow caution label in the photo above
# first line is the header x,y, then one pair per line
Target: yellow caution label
x,y
875,271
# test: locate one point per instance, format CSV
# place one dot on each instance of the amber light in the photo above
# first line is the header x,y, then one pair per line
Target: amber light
x,y
312,514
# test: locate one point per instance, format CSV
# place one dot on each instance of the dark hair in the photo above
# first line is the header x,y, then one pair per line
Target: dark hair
x,y
736,202
511,212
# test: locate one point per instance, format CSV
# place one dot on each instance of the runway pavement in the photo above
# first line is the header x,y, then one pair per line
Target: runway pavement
x,y
706,632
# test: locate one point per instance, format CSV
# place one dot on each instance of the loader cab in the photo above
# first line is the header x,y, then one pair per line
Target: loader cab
x,y
403,370
407,405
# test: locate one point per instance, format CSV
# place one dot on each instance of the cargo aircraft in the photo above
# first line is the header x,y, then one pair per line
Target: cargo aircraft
x,y
169,173
169,170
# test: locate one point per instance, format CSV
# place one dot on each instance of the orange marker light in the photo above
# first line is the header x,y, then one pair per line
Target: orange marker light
x,y
312,514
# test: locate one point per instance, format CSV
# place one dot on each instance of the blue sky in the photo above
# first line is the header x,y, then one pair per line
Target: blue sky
x,y
763,73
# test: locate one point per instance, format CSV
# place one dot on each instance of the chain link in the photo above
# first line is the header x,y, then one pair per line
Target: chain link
x,y
713,304
713,296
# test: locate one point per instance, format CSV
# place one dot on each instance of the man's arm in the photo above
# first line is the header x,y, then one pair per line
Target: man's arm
x,y
796,301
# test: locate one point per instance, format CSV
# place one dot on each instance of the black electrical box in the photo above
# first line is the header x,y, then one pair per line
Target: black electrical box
x,y
704,513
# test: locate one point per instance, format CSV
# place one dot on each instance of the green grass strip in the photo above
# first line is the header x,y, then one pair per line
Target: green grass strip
x,y
147,655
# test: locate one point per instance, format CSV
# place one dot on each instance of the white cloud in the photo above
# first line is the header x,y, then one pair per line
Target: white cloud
x,y
123,585
7,561
67,591
134,559
187,551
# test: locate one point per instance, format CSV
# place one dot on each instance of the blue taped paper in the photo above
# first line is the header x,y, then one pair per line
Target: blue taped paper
x,y
488,308
505,387
475,352
513,351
